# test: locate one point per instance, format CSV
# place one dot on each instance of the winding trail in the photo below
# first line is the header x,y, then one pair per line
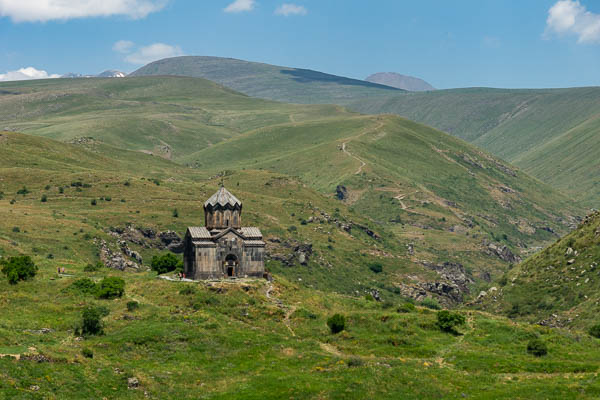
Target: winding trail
x,y
363,164
289,309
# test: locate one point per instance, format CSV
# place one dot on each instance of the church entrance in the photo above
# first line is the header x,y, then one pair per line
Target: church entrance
x,y
231,264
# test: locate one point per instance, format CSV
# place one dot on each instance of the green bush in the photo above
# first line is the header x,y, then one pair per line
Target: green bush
x,y
93,202
110,288
376,267
16,229
336,323
166,263
87,353
537,347
44,198
132,305
448,321
431,303
18,268
23,191
595,331
355,362
93,267
91,321
84,285
188,290
175,213
406,308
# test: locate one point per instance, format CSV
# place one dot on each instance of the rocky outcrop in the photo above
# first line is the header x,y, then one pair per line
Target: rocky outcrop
x,y
115,260
172,241
341,192
289,252
452,272
502,252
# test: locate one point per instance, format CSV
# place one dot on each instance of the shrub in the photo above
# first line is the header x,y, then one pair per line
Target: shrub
x,y
93,267
448,321
355,362
188,290
292,228
47,187
61,190
108,198
431,303
87,353
595,331
44,198
23,191
166,263
406,308
84,285
16,229
13,201
304,313
110,288
18,269
376,267
175,213
127,183
91,320
336,323
93,202
132,305
537,347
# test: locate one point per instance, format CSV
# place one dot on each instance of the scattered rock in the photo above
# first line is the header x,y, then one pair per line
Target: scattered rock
x,y
452,272
503,252
115,260
34,388
133,383
172,241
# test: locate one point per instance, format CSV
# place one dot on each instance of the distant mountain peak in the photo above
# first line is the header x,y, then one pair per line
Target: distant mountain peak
x,y
400,81
111,73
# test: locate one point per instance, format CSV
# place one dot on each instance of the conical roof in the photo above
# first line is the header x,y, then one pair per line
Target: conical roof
x,y
222,198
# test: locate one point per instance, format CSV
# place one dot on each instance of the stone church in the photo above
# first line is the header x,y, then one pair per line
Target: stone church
x,y
223,248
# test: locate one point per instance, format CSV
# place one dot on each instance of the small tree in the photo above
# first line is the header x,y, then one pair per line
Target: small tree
x,y
448,321
537,347
44,198
110,288
376,267
91,320
336,323
18,269
595,331
175,213
166,263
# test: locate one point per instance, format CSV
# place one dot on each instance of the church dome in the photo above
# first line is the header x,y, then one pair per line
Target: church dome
x,y
223,210
222,198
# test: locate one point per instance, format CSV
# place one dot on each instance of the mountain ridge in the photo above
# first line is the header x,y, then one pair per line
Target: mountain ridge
x,y
399,81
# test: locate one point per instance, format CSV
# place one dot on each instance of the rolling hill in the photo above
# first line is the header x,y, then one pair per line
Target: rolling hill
x,y
437,198
399,81
558,286
252,339
291,85
551,134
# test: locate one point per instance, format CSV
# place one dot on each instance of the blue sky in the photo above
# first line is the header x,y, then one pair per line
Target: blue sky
x,y
457,43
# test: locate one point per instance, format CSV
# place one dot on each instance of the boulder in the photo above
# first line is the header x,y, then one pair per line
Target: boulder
x,y
172,241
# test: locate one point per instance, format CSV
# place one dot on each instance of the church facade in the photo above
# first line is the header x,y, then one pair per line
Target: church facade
x,y
223,248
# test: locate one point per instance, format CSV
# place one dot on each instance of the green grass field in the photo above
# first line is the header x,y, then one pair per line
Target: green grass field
x,y
549,133
88,140
416,183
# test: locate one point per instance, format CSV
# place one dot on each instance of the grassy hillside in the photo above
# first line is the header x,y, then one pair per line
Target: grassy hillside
x,y
292,85
434,193
559,285
549,133
246,340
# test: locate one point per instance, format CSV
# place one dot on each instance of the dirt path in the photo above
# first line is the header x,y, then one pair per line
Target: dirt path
x,y
364,132
289,309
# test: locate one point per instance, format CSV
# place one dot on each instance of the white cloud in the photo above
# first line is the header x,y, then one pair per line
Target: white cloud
x,y
570,17
46,10
123,46
25,74
288,9
240,6
153,52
